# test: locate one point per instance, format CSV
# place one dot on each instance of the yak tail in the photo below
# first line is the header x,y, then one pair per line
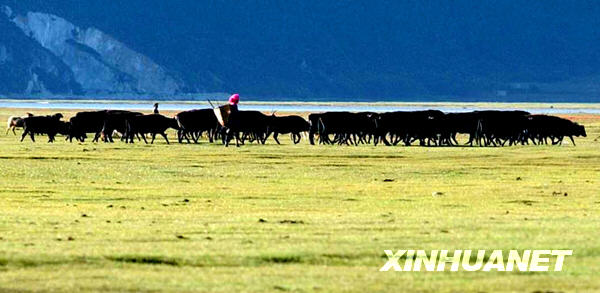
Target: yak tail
x,y
9,124
321,129
128,132
320,126
178,122
479,131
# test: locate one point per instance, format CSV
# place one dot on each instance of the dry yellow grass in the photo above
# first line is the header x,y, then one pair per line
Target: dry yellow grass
x,y
117,217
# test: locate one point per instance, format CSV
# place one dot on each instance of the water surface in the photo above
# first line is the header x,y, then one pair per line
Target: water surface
x,y
268,107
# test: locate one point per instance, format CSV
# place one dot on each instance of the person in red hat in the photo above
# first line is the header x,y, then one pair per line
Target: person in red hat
x,y
233,101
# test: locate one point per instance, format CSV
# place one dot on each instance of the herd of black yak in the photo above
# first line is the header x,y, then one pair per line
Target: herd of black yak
x,y
429,128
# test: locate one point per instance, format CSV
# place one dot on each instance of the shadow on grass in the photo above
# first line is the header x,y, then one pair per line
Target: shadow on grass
x,y
153,260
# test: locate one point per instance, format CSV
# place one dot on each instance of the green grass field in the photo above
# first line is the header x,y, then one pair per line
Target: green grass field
x,y
300,218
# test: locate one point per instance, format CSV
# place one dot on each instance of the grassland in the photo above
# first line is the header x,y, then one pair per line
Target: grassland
x,y
301,218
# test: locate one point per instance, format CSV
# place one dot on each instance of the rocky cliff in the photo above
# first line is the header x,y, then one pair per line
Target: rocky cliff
x,y
28,68
65,58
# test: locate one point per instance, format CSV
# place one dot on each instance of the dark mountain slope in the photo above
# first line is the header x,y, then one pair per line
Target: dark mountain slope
x,y
361,49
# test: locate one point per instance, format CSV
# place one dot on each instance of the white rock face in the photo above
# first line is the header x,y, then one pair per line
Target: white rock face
x,y
35,86
99,62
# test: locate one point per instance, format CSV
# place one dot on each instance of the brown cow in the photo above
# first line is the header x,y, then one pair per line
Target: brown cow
x,y
15,122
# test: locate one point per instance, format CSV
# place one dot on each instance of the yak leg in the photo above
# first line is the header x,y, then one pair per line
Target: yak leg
x,y
385,141
345,138
265,136
298,137
572,140
165,136
225,137
324,138
470,142
183,134
407,141
237,139
260,138
295,137
327,139
362,139
275,135
110,137
348,139
24,134
210,135
180,136
454,138
337,138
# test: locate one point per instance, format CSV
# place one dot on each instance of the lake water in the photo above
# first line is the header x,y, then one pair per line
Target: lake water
x,y
288,107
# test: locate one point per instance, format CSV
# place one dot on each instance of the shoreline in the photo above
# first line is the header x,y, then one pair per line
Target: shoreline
x,y
296,106
568,105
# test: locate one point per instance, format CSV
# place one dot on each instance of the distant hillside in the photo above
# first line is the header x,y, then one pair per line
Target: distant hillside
x,y
80,60
366,50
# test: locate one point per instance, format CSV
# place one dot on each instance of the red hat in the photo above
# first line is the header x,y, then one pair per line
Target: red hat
x,y
234,99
